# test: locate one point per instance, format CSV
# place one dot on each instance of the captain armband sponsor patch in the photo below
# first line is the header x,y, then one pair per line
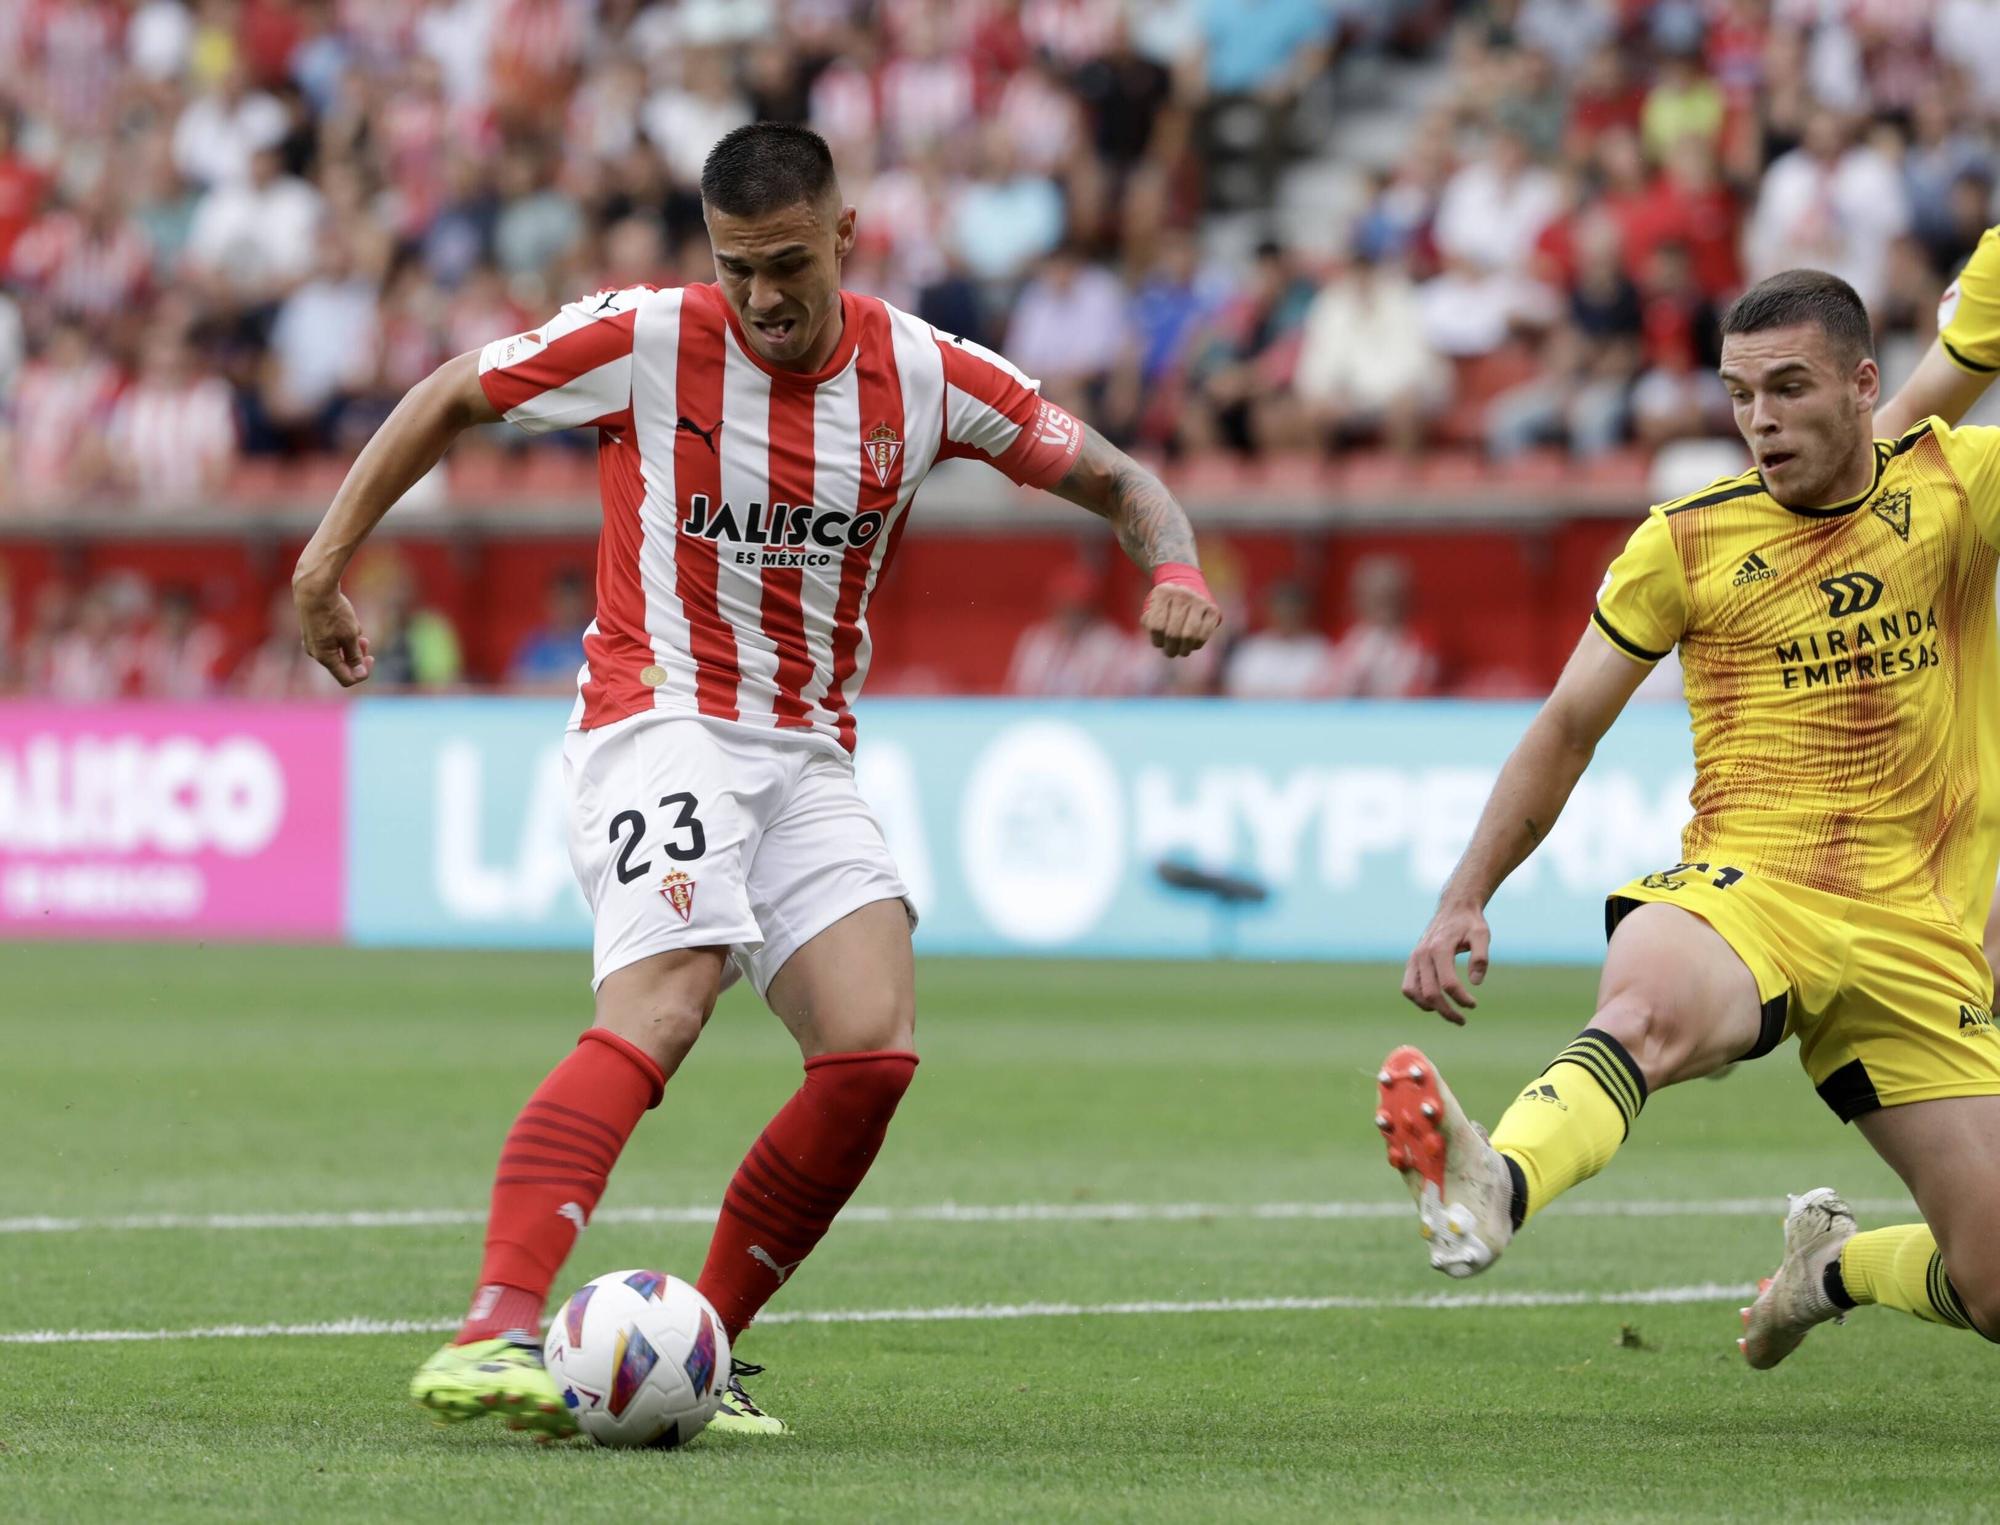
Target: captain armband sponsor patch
x,y
1056,429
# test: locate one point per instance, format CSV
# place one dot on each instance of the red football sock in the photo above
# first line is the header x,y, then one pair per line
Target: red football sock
x,y
552,1171
798,1175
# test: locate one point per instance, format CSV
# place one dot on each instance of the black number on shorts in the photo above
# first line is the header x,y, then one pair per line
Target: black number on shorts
x,y
627,869
1665,880
685,821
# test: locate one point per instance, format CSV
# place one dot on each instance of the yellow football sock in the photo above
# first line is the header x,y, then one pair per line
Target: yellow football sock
x,y
1566,1126
1900,1268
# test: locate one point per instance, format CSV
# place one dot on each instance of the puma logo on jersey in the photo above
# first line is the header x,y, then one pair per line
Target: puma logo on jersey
x,y
684,424
1754,569
574,1213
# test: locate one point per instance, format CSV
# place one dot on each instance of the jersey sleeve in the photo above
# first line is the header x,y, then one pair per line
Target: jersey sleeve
x,y
1969,311
1973,452
995,414
1642,604
573,372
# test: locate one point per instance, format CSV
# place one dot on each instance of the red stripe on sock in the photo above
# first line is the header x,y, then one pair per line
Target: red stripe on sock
x,y
597,1154
827,1135
787,1172
762,1223
604,1084
583,1136
784,1181
609,1135
584,1168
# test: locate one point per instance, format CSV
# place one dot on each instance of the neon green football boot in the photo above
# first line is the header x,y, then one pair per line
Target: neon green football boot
x,y
503,1376
739,1414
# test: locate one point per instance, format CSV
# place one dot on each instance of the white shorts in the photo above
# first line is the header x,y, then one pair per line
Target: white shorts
x,y
686,834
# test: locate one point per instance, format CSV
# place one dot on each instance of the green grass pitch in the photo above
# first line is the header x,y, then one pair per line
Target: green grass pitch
x,y
202,1082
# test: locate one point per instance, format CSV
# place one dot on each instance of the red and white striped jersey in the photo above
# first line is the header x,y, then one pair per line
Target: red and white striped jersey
x,y
748,511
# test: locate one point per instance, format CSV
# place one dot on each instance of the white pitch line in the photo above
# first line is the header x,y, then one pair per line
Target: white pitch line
x,y
1698,1292
942,1212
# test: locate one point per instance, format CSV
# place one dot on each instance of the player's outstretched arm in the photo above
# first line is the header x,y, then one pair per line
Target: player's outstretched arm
x,y
1534,785
1179,616
410,442
1965,356
1937,386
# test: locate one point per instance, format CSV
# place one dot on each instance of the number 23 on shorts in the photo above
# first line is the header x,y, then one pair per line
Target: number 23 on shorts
x,y
686,840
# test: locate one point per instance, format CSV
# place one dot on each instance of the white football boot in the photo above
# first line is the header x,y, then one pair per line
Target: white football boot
x,y
1792,1299
1463,1190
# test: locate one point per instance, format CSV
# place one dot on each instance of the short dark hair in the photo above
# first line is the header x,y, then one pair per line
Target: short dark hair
x,y
764,166
1804,296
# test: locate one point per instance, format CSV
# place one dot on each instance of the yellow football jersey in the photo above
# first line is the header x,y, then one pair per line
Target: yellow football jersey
x,y
1969,310
1842,674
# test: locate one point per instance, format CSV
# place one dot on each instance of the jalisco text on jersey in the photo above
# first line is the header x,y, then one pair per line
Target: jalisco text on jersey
x,y
1887,646
784,525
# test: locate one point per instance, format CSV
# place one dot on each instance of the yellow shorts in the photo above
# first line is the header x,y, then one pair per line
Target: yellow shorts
x,y
1887,1008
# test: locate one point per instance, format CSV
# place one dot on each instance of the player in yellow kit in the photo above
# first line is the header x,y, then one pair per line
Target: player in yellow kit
x,y
1965,358
1834,611
1962,362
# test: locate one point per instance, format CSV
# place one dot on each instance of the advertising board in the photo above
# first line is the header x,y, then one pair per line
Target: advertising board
x,y
1080,829
156,821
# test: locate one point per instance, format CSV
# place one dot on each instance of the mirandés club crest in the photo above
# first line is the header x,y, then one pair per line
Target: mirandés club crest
x,y
881,445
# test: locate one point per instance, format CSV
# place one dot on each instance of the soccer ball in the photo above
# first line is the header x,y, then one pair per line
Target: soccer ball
x,y
641,1358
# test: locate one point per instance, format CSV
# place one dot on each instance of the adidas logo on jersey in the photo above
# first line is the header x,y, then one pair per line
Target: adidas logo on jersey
x,y
1754,569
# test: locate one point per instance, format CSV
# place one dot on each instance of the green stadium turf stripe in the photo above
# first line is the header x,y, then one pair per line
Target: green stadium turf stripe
x,y
971,1313
940,1212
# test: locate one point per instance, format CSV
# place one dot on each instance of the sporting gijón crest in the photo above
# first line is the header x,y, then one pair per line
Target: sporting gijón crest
x,y
881,445
678,891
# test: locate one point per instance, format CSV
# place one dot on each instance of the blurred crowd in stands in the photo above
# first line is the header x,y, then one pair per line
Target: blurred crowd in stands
x,y
233,232
242,228
123,635
1076,651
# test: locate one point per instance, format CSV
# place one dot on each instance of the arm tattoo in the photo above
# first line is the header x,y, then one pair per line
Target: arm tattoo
x,y
1151,526
1534,831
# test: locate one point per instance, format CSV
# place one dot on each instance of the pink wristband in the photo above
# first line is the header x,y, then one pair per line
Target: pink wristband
x,y
1181,575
